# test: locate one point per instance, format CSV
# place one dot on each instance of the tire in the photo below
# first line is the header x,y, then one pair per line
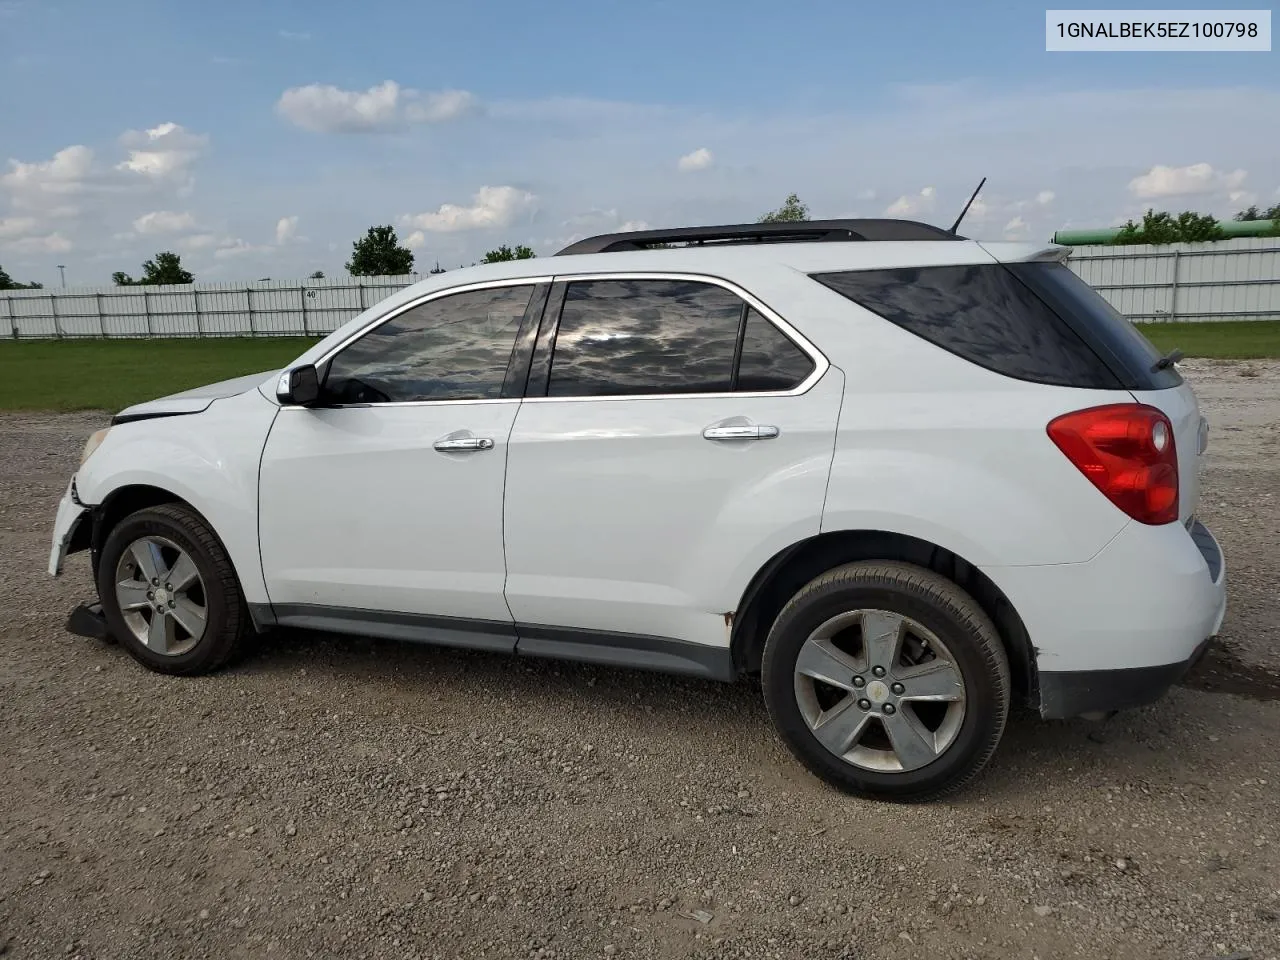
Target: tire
x,y
161,535
947,648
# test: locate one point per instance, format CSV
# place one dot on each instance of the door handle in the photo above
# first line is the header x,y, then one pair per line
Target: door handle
x,y
460,444
748,431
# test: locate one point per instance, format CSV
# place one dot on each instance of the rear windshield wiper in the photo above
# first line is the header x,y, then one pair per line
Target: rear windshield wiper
x,y
1167,361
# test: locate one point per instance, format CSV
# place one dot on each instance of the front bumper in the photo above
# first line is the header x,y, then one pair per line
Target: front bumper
x,y
72,515
1118,630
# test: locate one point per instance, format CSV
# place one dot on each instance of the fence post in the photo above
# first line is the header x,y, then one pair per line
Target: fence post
x,y
102,321
248,299
1173,288
146,309
362,304
195,302
13,320
302,295
53,309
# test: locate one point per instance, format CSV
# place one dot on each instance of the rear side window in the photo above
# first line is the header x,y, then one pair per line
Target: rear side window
x,y
642,337
1131,355
983,313
769,360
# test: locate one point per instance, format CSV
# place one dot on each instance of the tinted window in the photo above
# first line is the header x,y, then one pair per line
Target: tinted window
x,y
982,313
453,348
1132,356
619,337
769,360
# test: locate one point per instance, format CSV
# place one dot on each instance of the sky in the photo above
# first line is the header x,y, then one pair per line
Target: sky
x,y
260,139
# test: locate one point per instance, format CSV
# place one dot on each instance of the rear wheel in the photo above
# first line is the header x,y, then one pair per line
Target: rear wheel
x,y
169,592
888,680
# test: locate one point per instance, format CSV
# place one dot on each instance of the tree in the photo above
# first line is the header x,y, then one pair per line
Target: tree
x,y
165,268
1163,227
8,283
1271,213
318,275
504,253
791,211
379,254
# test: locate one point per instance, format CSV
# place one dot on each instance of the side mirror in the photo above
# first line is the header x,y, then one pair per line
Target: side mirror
x,y
299,386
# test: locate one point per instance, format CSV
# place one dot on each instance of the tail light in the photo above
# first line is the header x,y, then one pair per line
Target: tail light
x,y
1127,451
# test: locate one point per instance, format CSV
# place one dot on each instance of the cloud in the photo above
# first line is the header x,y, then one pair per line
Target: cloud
x,y
1198,178
199,241
1044,197
50,243
164,152
493,207
438,107
1015,229
868,194
699,159
323,108
913,205
32,184
286,229
632,225
163,221
235,247
16,226
416,240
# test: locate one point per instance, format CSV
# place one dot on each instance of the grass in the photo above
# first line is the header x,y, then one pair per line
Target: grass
x,y
112,374
1224,340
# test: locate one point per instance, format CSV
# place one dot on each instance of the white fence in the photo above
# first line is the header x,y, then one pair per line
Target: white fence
x,y
1227,280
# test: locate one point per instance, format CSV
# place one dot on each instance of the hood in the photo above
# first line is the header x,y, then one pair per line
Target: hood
x,y
192,401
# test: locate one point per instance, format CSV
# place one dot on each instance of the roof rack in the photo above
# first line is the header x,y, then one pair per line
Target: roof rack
x,y
805,231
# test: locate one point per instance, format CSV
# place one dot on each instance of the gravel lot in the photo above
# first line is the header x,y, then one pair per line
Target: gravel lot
x,y
342,797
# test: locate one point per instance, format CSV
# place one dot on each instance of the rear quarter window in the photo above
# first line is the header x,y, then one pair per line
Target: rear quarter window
x,y
983,313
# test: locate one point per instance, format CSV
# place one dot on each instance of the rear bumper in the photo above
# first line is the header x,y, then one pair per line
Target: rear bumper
x,y
1118,630
1066,694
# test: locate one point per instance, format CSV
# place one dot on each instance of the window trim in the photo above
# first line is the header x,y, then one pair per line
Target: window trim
x,y
417,302
820,362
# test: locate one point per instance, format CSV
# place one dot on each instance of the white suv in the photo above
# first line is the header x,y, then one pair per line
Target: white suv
x,y
904,477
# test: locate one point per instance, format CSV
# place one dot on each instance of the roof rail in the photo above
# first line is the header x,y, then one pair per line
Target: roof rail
x,y
800,231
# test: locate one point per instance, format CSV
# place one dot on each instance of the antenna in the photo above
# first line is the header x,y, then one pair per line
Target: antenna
x,y
972,197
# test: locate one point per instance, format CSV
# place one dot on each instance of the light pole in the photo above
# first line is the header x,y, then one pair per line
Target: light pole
x,y
62,272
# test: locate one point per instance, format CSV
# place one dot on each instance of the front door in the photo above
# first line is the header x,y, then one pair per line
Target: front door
x,y
381,508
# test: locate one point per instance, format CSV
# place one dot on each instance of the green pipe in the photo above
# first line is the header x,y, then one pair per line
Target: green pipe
x,y
1232,228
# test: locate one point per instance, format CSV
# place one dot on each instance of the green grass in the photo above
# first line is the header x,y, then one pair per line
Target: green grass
x,y
112,374
1225,340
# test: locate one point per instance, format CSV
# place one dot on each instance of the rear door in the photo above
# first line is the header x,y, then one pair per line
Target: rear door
x,y
675,434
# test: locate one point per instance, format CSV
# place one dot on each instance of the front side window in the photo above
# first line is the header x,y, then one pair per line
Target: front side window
x,y
637,337
452,348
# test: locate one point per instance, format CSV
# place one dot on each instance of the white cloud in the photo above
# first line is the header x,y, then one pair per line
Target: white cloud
x,y
32,184
164,152
286,229
235,247
416,240
438,107
632,225
199,241
1044,197
1243,197
50,243
913,205
324,108
16,226
1198,178
493,207
163,221
699,159
1015,229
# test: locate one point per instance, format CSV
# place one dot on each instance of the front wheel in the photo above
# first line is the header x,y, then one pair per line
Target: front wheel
x,y
169,592
887,680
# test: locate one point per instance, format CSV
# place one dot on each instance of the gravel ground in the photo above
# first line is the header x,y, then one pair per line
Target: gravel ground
x,y
342,797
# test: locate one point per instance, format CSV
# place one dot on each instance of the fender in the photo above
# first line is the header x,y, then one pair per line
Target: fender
x,y
209,460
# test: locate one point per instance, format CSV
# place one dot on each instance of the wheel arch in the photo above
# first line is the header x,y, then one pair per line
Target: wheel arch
x,y
791,568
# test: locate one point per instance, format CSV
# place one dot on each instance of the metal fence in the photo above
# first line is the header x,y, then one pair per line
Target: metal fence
x,y
1227,280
